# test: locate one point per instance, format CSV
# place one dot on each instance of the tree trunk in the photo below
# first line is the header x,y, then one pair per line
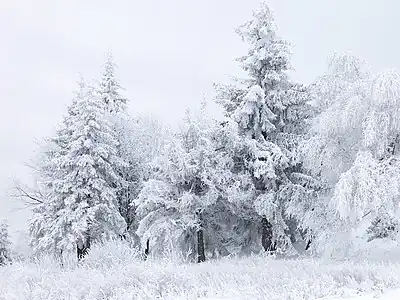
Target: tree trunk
x,y
146,251
201,257
266,236
82,250
308,244
61,259
200,246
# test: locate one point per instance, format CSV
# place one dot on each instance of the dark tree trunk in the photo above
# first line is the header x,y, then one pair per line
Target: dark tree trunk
x,y
201,257
146,251
200,246
83,250
308,244
61,259
266,235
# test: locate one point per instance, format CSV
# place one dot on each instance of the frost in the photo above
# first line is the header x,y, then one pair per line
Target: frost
x,y
116,271
5,244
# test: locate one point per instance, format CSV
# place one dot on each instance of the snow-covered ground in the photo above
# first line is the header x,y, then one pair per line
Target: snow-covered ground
x,y
117,273
388,295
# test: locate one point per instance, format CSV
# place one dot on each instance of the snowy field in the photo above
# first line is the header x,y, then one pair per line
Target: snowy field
x,y
389,295
117,273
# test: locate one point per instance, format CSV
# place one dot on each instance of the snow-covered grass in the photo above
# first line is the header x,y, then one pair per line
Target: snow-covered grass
x,y
389,295
117,272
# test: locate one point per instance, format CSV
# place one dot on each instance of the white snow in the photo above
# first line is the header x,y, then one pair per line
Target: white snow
x,y
116,272
389,295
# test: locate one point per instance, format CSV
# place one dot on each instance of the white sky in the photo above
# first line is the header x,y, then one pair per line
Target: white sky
x,y
169,52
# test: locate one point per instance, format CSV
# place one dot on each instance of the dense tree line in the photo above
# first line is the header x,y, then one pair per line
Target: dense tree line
x,y
290,168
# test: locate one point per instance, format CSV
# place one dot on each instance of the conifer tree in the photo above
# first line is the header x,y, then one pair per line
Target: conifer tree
x,y
116,106
109,88
271,113
46,172
81,205
172,203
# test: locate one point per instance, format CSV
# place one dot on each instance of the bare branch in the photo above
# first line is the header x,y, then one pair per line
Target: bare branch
x,y
28,195
370,211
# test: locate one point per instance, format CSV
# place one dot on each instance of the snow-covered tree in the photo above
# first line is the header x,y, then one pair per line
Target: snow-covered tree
x,y
270,111
353,147
172,203
232,225
344,70
116,105
46,172
109,88
116,108
344,79
81,204
372,181
5,244
142,139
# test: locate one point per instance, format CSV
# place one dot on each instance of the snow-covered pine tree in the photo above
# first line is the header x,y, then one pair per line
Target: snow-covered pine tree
x,y
81,206
122,124
46,172
109,88
232,226
5,244
172,203
270,111
195,139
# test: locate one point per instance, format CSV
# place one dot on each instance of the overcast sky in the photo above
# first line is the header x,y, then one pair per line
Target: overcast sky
x,y
169,52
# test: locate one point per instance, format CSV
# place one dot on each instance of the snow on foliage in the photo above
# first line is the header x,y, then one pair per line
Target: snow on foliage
x,y
384,226
344,69
5,244
271,113
81,202
114,271
288,166
141,139
353,147
179,191
109,88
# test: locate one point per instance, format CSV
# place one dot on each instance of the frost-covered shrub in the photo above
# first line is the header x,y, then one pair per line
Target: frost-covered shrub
x,y
383,227
254,277
110,254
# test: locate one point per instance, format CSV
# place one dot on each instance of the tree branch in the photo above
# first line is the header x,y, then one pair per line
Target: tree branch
x,y
28,196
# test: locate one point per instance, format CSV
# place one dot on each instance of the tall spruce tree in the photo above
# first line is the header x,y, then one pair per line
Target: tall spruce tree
x,y
46,173
116,106
271,113
109,88
81,204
